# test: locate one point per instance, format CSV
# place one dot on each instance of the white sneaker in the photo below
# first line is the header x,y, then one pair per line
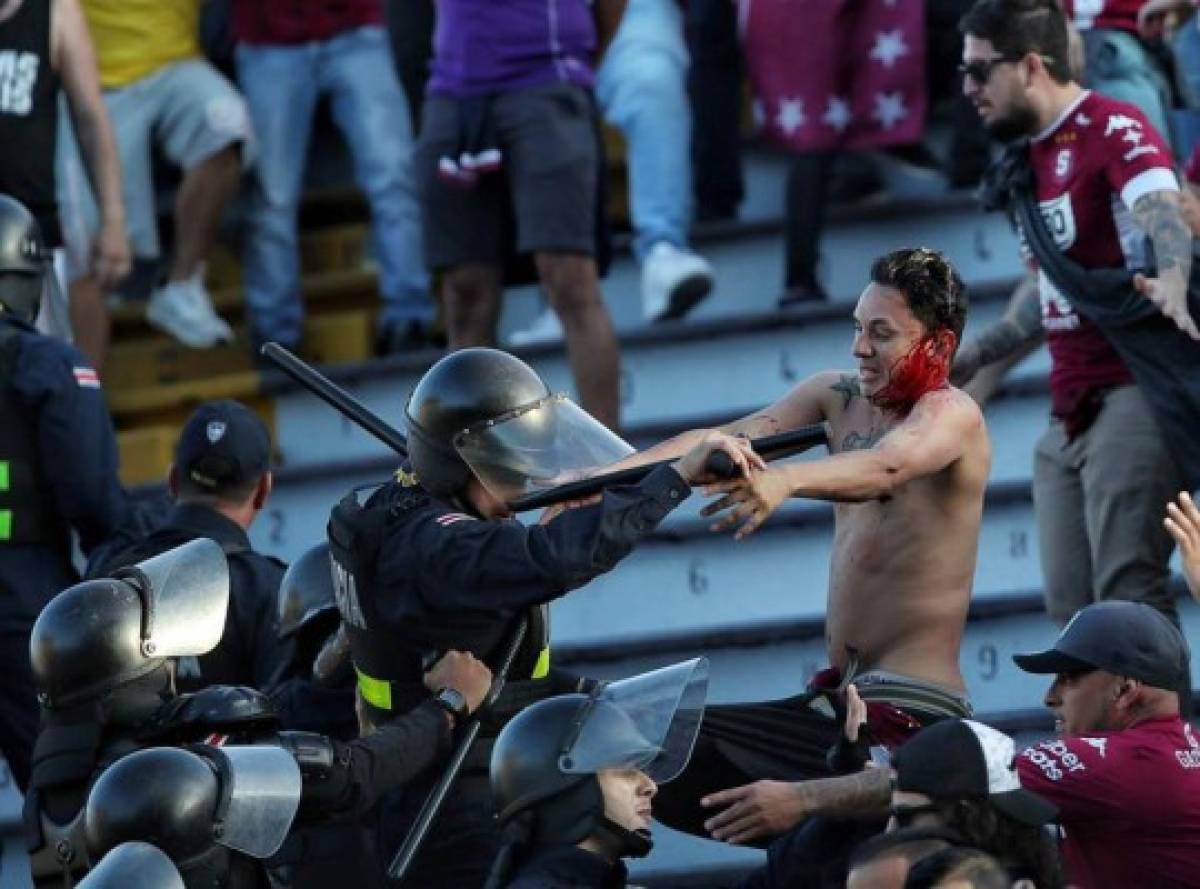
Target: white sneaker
x,y
184,310
546,328
673,282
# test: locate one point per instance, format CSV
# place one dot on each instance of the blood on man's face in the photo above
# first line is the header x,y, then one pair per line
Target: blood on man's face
x,y
899,360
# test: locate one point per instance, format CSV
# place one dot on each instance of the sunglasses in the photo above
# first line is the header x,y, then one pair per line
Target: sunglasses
x,y
904,815
980,70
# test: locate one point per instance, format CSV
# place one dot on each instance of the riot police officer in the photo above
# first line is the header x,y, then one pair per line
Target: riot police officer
x,y
216,812
103,655
58,470
574,776
433,560
134,864
220,482
325,854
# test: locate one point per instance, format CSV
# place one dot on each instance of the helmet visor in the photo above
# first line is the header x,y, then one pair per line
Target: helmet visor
x,y
187,599
647,722
538,446
263,795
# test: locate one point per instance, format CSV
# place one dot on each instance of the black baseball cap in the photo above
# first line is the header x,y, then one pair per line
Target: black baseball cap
x,y
963,759
1124,638
222,445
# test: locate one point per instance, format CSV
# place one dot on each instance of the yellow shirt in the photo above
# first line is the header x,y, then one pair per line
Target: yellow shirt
x,y
134,38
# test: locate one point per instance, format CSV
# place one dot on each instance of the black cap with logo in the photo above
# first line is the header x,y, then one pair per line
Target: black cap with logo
x,y
1129,639
223,444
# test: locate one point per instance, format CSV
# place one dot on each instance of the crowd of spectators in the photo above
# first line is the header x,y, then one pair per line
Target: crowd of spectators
x,y
500,153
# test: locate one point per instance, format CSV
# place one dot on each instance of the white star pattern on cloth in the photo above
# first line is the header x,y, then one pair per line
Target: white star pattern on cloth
x,y
791,116
889,46
837,113
889,109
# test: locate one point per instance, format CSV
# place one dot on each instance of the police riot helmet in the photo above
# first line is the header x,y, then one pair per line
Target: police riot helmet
x,y
487,413
134,864
24,261
101,634
545,760
198,805
306,592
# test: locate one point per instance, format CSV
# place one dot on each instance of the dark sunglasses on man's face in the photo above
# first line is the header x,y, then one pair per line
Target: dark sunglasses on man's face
x,y
980,70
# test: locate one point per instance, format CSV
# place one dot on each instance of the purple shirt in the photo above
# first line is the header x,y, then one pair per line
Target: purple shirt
x,y
493,46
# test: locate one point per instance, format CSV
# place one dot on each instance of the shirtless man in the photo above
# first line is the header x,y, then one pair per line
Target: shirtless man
x,y
907,476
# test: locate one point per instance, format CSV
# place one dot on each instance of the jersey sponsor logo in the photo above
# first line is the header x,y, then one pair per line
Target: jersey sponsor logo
x,y
18,79
86,378
1100,744
345,591
1130,129
1055,759
1060,219
1082,120
451,518
1057,312
1139,151
1189,759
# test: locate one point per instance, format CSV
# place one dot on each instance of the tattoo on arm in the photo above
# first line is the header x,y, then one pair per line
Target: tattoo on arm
x,y
849,389
856,441
864,793
1022,326
1160,217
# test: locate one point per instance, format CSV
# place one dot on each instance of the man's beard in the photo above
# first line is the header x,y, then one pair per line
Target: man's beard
x,y
1020,121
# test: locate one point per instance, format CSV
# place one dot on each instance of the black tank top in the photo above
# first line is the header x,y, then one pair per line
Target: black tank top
x,y
29,114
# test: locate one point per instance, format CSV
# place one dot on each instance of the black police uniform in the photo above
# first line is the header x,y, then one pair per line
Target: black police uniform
x,y
568,867
125,702
419,576
58,473
250,651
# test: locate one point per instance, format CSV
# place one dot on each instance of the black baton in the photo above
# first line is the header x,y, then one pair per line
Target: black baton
x,y
335,396
437,797
719,463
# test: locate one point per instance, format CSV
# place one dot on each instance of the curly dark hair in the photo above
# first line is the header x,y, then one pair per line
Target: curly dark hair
x,y
1025,851
1018,27
932,288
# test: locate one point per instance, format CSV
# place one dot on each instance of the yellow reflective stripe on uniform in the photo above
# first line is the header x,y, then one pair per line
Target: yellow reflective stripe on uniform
x,y
6,524
376,692
4,475
542,668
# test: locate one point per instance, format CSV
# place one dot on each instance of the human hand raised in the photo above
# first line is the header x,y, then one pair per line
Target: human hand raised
x,y
748,500
463,672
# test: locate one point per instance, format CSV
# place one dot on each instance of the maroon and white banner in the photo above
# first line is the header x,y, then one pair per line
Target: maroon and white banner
x,y
837,73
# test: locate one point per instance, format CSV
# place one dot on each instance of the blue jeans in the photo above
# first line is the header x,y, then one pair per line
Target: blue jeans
x,y
641,88
282,85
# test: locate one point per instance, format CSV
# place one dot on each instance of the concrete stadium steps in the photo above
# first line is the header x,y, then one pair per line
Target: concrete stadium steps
x,y
339,288
307,488
748,258
670,371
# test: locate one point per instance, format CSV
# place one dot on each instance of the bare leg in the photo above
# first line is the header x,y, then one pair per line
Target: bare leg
x,y
573,288
203,196
471,295
89,319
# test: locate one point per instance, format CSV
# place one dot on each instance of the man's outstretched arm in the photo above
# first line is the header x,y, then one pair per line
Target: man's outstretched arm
x,y
770,808
1017,332
932,437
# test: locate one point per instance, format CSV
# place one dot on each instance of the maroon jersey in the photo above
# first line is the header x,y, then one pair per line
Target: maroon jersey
x,y
300,21
1091,165
1128,801
1121,14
